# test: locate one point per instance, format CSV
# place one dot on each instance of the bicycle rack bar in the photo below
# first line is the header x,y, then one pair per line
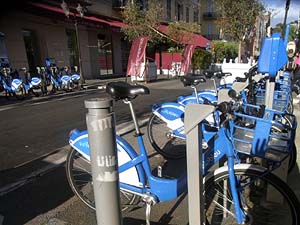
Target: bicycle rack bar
x,y
100,121
194,114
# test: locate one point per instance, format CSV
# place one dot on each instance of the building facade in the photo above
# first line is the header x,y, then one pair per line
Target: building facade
x,y
38,30
209,18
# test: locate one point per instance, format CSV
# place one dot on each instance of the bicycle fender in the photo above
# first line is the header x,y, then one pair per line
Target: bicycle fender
x,y
16,84
208,94
171,112
75,77
134,176
35,81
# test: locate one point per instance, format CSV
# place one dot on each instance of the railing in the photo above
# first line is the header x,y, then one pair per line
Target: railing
x,y
119,4
210,15
212,36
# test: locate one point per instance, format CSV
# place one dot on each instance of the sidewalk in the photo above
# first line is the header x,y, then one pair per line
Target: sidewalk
x,y
92,83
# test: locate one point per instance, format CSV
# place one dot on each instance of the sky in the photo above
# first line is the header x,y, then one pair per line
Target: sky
x,y
278,8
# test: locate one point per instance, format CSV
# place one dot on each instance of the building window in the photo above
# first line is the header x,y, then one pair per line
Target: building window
x,y
196,15
179,11
210,6
32,53
209,29
187,14
169,9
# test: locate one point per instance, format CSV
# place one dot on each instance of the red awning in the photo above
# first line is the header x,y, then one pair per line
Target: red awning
x,y
187,38
110,22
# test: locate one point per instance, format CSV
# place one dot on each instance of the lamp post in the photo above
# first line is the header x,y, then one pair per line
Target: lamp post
x,y
80,10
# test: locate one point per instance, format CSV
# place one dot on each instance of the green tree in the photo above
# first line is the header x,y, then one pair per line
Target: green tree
x,y
293,30
238,18
224,50
201,59
147,20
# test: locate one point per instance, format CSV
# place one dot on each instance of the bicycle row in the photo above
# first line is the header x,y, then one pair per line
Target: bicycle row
x,y
252,139
45,81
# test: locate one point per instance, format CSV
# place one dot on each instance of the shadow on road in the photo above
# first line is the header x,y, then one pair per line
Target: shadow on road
x,y
39,196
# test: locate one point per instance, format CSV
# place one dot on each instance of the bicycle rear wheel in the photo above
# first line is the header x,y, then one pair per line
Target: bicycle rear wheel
x,y
163,140
256,191
79,175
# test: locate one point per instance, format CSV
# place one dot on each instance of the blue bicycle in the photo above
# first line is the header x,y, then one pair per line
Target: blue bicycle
x,y
234,193
11,84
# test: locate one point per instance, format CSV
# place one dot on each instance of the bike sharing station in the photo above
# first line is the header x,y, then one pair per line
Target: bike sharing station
x,y
107,151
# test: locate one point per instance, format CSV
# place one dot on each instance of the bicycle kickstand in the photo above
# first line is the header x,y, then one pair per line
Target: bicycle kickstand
x,y
150,201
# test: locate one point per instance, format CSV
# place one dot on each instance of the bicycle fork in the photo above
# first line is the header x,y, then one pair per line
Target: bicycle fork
x,y
239,212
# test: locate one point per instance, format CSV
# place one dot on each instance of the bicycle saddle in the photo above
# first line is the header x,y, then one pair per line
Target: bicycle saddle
x,y
121,90
189,81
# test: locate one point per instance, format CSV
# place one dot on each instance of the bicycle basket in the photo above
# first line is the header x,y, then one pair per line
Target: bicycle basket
x,y
258,136
280,102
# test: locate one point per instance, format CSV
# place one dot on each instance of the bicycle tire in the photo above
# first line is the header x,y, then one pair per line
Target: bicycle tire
x,y
83,189
20,94
254,198
163,141
293,157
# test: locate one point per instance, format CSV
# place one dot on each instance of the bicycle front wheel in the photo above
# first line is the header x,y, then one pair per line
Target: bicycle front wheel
x,y
264,197
79,175
163,140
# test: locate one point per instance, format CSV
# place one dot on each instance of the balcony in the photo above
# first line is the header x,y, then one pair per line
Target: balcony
x,y
210,15
119,4
212,36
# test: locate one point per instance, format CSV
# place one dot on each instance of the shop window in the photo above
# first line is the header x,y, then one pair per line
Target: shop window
x,y
105,55
72,48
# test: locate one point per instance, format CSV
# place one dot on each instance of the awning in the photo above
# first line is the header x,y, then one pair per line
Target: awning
x,y
110,22
187,38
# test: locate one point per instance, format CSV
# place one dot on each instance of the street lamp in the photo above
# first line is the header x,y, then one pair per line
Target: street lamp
x,y
80,10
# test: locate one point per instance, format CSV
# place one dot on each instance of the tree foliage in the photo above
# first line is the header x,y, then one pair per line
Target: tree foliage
x,y
142,21
293,30
224,50
201,59
146,22
238,17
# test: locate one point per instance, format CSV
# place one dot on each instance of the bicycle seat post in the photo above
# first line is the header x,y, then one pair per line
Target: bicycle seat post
x,y
196,93
136,125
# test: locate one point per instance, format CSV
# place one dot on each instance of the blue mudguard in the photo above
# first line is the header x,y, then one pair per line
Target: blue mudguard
x,y
208,94
172,114
134,176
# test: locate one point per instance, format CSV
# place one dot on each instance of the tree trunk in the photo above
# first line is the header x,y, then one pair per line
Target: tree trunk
x,y
240,52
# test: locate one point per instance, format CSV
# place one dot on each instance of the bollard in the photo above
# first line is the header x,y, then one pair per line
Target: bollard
x,y
100,121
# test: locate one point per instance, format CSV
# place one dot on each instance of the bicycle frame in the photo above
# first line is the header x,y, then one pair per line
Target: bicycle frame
x,y
163,189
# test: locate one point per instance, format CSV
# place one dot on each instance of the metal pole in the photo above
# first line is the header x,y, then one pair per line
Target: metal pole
x,y
100,121
287,6
79,53
192,126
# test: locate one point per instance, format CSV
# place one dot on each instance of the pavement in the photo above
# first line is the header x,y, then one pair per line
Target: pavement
x,y
72,211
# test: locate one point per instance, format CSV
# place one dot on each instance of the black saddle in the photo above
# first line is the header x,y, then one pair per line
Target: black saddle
x,y
192,81
121,90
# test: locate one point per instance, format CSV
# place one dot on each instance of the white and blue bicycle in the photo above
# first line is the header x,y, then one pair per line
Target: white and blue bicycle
x,y
234,194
